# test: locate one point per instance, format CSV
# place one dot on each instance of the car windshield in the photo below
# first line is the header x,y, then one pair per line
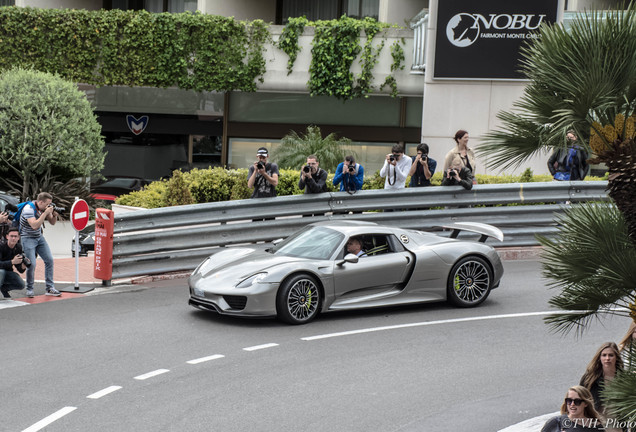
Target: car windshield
x,y
312,242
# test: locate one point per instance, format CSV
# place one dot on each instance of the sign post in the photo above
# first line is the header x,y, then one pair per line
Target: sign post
x,y
104,228
80,214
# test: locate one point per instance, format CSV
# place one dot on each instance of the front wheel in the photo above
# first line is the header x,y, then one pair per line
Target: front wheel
x,y
469,282
298,299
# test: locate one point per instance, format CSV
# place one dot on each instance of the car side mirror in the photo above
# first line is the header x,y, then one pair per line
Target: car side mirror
x,y
349,258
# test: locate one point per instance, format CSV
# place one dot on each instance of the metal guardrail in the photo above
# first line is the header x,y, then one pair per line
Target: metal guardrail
x,y
178,238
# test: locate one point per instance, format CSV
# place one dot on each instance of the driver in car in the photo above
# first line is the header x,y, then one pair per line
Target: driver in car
x,y
354,246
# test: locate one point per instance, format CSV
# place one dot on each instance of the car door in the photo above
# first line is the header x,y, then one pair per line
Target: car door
x,y
380,273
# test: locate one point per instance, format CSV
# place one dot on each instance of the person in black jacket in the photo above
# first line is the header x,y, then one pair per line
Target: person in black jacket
x,y
11,256
458,175
313,178
569,163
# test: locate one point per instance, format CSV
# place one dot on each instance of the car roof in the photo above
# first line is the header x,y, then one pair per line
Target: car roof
x,y
355,227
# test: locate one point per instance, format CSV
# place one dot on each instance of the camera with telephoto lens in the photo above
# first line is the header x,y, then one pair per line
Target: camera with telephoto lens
x,y
25,260
57,209
306,169
259,165
9,210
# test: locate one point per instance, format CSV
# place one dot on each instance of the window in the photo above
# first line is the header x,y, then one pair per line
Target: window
x,y
7,2
326,9
153,6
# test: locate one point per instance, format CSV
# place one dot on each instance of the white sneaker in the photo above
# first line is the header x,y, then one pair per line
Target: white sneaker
x,y
53,292
29,293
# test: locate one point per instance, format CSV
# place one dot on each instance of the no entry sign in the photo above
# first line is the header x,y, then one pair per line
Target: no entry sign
x,y
79,214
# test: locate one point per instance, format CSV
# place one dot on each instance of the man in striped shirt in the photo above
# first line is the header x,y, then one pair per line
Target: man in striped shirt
x,y
33,216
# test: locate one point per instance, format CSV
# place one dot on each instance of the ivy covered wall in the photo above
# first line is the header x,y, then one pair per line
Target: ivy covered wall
x,y
135,48
191,51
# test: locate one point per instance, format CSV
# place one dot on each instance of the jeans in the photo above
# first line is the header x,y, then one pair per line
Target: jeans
x,y
31,246
10,280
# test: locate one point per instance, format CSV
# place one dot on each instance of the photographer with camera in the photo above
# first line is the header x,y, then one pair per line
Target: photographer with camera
x,y
423,167
5,224
11,256
263,176
458,175
396,168
349,175
32,219
312,178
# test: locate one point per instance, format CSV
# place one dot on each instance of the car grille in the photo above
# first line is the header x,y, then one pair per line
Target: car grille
x,y
236,302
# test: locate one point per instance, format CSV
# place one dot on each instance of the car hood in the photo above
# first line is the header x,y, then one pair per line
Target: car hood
x,y
239,263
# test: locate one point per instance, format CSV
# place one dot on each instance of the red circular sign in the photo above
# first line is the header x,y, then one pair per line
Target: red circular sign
x,y
80,214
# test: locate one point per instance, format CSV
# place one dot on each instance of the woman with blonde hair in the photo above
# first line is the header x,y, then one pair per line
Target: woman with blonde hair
x,y
627,347
577,413
602,369
461,153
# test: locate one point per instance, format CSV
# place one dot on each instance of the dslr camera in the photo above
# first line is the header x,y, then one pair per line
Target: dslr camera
x,y
392,158
351,168
25,260
306,169
57,209
259,165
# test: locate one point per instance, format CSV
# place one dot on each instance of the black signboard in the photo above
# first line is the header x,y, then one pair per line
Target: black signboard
x,y
481,39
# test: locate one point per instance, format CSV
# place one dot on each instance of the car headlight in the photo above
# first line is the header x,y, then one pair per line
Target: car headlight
x,y
245,283
200,266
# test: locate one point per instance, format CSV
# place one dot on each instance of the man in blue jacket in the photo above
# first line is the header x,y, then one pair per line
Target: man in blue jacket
x,y
349,175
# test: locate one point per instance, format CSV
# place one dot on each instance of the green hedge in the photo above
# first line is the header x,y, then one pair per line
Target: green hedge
x,y
135,48
218,184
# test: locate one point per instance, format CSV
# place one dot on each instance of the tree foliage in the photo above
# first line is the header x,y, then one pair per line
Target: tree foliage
x,y
294,149
46,124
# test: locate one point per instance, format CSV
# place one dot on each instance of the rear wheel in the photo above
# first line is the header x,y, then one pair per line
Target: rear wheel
x,y
298,299
469,282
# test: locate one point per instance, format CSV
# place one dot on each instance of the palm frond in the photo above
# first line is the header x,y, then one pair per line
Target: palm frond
x,y
591,262
294,149
620,395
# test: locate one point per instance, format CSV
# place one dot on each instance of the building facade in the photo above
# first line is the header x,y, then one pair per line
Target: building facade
x,y
150,131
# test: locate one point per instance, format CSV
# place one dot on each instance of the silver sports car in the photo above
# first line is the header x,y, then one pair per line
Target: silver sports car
x,y
314,271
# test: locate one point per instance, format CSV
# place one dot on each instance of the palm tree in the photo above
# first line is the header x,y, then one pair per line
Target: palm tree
x,y
294,149
584,79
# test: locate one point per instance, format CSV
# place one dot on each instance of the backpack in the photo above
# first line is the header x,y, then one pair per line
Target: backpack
x,y
15,216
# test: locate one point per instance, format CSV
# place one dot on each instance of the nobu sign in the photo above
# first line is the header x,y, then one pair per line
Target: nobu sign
x,y
481,40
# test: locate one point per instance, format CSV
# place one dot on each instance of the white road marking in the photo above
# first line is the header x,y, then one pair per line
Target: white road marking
x,y
259,347
50,419
427,323
5,304
530,425
151,374
205,359
101,393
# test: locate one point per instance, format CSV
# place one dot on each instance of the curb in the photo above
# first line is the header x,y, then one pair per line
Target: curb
x,y
159,277
514,253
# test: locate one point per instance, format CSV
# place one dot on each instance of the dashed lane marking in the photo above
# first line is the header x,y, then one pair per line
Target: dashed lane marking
x,y
50,419
205,359
104,392
260,347
151,374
